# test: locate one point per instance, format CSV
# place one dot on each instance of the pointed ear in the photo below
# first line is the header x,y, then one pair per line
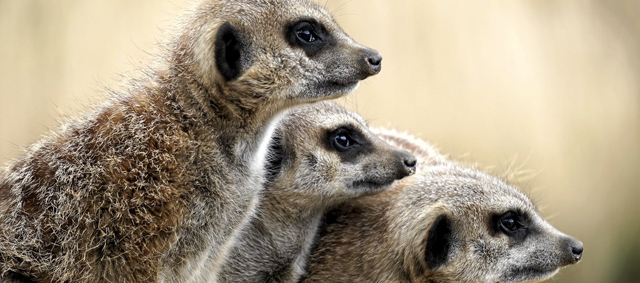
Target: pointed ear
x,y
229,51
439,239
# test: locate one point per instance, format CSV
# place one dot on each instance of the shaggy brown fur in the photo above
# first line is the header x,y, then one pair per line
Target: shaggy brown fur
x,y
153,185
445,224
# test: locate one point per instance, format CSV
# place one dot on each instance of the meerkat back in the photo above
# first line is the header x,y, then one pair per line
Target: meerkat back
x,y
154,184
447,223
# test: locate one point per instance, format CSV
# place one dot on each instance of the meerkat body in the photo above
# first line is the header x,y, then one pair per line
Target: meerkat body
x,y
321,156
154,185
447,223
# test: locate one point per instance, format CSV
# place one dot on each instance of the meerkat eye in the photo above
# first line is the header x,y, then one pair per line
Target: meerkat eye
x,y
306,35
305,32
509,223
342,141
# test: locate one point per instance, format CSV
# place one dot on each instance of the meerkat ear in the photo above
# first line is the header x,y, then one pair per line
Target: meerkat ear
x,y
228,51
439,240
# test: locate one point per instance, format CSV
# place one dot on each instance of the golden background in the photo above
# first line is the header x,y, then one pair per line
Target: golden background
x,y
549,87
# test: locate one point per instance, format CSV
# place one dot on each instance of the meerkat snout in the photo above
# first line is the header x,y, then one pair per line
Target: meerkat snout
x,y
373,62
408,164
368,62
573,252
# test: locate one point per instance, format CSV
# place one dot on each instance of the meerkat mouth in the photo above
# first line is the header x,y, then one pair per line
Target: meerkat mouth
x,y
530,274
334,89
371,185
350,86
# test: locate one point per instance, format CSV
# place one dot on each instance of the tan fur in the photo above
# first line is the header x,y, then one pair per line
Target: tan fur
x,y
426,154
308,176
439,225
154,184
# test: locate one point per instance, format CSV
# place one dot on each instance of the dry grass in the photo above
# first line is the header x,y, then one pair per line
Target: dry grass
x,y
554,82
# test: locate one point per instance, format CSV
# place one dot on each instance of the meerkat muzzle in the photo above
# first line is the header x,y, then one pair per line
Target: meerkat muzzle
x,y
371,63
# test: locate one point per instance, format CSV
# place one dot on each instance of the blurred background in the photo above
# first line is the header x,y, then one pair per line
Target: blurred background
x,y
549,87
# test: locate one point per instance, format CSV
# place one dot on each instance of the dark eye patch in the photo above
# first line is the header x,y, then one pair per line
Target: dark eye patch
x,y
512,223
306,35
342,140
509,224
348,142
309,35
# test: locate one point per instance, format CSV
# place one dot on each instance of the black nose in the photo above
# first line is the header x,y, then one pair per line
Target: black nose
x,y
576,251
572,251
373,62
408,166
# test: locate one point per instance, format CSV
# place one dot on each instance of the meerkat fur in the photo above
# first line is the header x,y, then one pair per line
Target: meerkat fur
x,y
154,184
446,223
322,155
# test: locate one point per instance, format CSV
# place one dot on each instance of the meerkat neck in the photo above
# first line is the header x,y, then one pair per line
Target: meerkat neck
x,y
218,103
206,113
287,216
299,207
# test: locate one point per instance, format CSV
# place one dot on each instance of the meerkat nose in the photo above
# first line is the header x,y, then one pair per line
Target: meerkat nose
x,y
373,61
573,250
410,163
408,166
577,250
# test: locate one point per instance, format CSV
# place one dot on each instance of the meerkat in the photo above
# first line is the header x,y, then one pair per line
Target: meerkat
x,y
321,155
447,223
154,184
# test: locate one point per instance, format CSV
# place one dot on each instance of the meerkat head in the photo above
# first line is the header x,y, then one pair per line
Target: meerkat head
x,y
323,150
274,53
471,227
